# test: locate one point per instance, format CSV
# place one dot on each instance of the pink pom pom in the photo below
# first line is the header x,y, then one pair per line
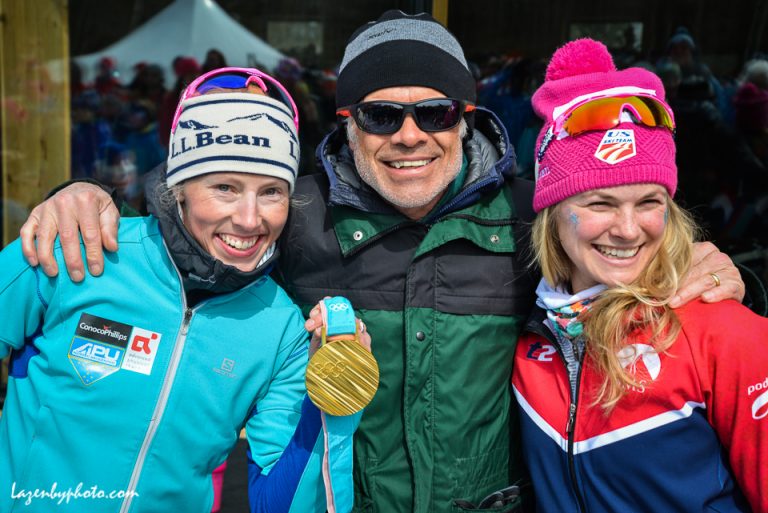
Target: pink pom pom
x,y
579,57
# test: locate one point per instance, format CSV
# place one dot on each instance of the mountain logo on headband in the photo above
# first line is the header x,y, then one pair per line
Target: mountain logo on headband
x,y
280,124
191,124
616,146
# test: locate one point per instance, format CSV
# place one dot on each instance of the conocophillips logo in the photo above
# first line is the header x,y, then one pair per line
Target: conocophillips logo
x,y
103,330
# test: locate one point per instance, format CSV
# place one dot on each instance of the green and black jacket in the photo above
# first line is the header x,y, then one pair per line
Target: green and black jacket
x,y
444,299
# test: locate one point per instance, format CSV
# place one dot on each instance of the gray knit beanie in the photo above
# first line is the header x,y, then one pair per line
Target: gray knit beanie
x,y
403,50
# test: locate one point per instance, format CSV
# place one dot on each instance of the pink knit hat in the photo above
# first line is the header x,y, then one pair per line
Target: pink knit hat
x,y
627,154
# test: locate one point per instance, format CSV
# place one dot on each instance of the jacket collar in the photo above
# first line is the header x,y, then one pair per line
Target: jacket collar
x,y
361,216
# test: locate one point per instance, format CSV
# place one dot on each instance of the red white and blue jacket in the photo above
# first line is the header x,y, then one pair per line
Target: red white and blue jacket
x,y
692,437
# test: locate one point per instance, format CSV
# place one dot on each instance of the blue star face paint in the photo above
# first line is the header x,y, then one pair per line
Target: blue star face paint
x,y
666,216
574,219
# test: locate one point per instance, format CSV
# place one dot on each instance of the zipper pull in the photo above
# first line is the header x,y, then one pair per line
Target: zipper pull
x,y
571,419
185,322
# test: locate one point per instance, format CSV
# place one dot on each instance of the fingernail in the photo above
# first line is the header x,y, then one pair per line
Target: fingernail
x,y
77,275
310,324
95,269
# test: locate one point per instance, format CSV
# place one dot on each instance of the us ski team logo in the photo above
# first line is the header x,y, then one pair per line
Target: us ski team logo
x,y
617,146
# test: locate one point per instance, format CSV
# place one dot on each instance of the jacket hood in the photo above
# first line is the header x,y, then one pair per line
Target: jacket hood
x,y
200,271
491,159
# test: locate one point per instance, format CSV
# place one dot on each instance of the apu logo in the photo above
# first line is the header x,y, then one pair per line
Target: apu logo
x,y
630,355
760,404
97,353
541,352
616,146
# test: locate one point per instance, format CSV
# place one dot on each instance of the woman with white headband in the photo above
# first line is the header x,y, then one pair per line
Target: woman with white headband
x,y
126,391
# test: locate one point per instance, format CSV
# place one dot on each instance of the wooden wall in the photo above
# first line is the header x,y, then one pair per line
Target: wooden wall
x,y
34,86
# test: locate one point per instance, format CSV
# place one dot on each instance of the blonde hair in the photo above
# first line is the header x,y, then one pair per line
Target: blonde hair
x,y
623,309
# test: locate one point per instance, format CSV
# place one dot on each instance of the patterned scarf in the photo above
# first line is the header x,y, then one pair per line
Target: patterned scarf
x,y
563,308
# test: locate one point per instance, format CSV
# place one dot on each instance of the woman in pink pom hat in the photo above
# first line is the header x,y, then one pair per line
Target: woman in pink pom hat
x,y
628,405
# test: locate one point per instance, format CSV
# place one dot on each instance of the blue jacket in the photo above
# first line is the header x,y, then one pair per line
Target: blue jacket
x,y
123,399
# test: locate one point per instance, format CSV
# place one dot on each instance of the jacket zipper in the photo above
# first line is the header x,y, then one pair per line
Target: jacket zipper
x,y
570,430
570,426
165,390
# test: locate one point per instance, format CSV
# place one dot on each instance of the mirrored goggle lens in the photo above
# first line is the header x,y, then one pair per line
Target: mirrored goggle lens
x,y
387,117
242,81
228,81
605,113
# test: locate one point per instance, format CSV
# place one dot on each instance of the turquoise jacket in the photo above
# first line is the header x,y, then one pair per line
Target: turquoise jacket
x,y
122,399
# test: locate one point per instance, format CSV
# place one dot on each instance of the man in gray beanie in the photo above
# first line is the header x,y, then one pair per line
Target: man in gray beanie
x,y
421,226
417,218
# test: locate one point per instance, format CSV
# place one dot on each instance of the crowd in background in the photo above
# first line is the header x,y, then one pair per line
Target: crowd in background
x,y
120,129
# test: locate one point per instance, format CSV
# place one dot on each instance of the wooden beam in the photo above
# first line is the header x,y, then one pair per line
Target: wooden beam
x,y
440,11
34,86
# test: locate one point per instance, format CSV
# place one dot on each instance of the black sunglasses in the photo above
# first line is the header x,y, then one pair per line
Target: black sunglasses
x,y
383,117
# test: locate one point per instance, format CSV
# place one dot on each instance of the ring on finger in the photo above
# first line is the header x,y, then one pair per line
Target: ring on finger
x,y
715,278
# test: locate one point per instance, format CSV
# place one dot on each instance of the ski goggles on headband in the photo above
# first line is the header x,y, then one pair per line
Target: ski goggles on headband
x,y
384,117
236,78
609,112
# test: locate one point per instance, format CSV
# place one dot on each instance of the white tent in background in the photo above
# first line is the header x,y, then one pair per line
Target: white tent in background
x,y
189,28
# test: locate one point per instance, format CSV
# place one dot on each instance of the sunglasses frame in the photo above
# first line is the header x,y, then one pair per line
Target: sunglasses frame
x,y
254,76
562,119
350,111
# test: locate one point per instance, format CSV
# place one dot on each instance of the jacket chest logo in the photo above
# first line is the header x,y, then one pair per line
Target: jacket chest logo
x,y
102,347
642,362
541,352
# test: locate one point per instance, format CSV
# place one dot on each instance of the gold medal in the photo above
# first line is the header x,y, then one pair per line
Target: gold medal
x,y
342,376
